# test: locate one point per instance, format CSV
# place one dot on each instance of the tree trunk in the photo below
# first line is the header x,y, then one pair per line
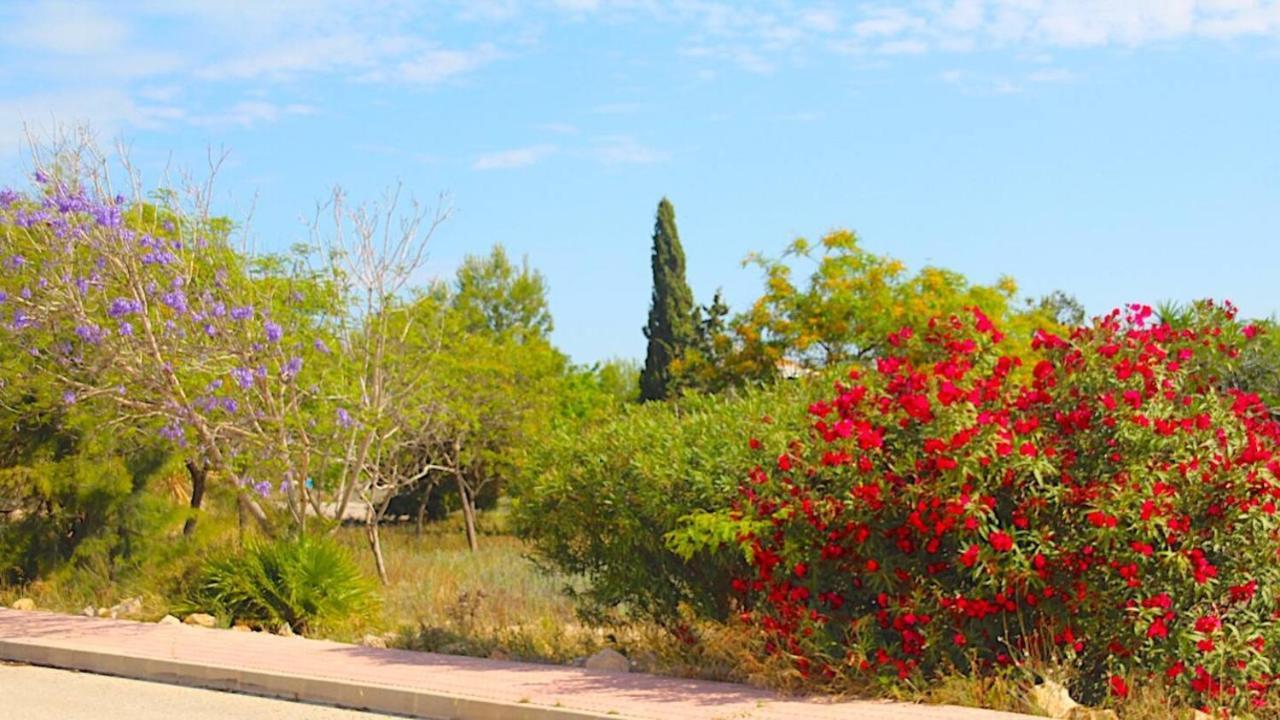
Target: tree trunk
x,y
422,514
468,512
199,476
251,507
375,544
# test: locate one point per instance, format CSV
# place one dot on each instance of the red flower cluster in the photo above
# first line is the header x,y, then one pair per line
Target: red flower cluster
x,y
955,507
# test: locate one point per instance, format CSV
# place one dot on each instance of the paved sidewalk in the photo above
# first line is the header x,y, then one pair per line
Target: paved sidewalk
x,y
409,683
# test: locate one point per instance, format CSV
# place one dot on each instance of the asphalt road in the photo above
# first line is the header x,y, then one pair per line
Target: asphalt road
x,y
36,693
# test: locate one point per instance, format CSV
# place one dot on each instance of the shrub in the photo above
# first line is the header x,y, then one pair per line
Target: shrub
x,y
602,495
1115,510
299,581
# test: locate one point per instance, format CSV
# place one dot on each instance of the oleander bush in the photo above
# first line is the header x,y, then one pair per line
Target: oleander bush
x,y
602,495
1115,512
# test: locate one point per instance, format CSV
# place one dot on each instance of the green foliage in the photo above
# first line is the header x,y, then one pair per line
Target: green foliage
x,y
841,312
495,297
601,497
300,581
71,498
671,329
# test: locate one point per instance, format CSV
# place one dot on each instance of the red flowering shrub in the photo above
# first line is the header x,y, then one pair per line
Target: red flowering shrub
x,y
1110,502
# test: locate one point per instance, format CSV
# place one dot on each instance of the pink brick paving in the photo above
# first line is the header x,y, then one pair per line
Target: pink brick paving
x,y
620,695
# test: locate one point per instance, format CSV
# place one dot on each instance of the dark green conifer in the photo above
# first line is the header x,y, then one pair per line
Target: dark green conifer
x,y
671,329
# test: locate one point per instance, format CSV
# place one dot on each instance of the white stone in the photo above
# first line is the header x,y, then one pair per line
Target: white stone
x,y
1053,699
169,620
374,641
608,660
203,620
24,604
127,608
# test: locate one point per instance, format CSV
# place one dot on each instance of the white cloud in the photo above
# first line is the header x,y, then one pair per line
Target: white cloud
x,y
66,28
517,158
248,113
433,66
625,150
106,112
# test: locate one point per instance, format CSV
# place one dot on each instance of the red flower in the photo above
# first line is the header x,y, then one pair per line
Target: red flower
x,y
1119,687
1000,541
969,556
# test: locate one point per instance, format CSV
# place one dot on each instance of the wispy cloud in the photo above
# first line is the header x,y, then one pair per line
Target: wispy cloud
x,y
626,150
516,158
248,113
67,28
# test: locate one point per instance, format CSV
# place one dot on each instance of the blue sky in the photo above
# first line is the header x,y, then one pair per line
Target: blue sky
x,y
1122,150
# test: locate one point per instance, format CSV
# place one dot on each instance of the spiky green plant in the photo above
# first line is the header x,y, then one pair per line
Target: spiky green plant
x,y
299,581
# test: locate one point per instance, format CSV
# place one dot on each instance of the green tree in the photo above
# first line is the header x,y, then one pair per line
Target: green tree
x,y
493,295
672,328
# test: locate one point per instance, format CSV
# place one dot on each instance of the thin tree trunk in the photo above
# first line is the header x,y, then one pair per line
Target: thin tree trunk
x,y
375,544
422,513
199,476
468,512
253,509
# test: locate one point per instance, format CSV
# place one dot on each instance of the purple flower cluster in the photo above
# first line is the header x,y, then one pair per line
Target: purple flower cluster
x,y
121,307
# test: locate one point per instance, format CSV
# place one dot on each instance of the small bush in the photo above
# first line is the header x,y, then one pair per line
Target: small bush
x,y
1116,512
299,581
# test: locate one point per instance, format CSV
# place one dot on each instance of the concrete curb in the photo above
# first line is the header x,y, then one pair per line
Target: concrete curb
x,y
286,686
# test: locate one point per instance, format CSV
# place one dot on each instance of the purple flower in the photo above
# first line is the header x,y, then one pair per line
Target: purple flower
x,y
263,488
16,261
230,405
274,333
123,306
291,368
243,377
20,320
4,296
126,329
7,198
243,312
173,431
69,397
321,347
344,418
176,300
91,334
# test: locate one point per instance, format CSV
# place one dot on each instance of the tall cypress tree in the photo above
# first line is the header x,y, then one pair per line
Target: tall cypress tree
x,y
671,328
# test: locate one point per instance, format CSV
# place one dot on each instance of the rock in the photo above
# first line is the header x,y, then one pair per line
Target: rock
x,y
499,654
1053,699
127,608
169,620
88,611
104,612
374,641
24,604
203,620
242,628
1081,712
608,660
285,630
455,648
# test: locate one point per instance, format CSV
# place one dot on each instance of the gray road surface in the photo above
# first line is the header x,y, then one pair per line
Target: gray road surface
x,y
35,693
